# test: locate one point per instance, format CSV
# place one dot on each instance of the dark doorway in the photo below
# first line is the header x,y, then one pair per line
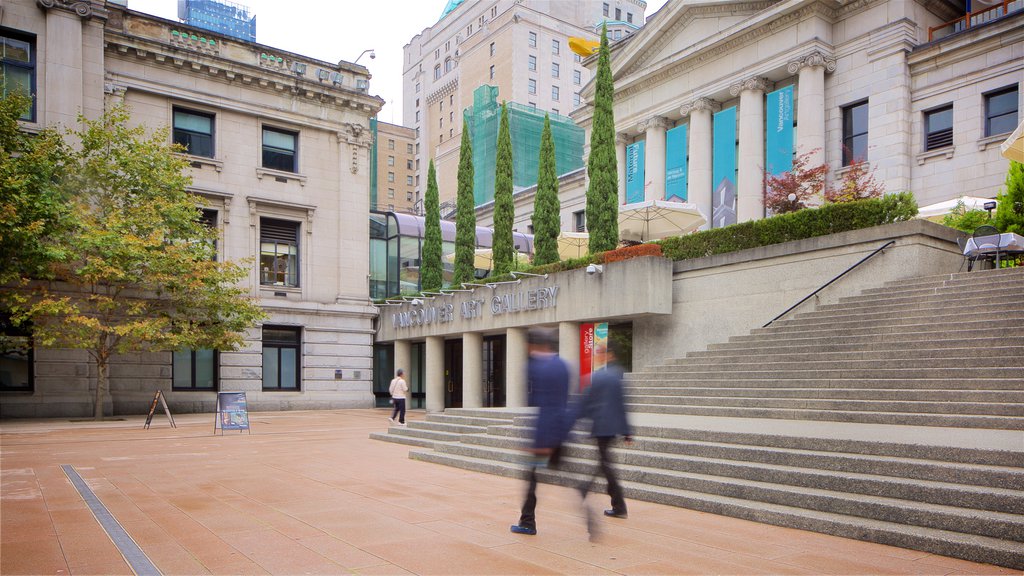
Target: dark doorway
x,y
494,372
453,374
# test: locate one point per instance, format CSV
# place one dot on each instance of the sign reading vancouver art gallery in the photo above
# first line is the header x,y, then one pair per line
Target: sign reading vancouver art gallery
x,y
470,310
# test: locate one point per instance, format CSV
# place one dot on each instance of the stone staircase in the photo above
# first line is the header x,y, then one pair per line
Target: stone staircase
x,y
894,416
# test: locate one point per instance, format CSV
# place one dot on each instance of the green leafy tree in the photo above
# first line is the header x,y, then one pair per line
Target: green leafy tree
x,y
1010,208
504,210
602,192
34,208
545,202
856,183
138,271
465,213
965,220
430,260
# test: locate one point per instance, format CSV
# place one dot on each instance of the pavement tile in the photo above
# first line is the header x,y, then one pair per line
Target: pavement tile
x,y
438,554
553,561
340,552
108,568
279,554
172,558
42,556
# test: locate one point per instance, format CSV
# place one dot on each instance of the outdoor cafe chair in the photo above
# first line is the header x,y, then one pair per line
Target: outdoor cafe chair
x,y
987,244
969,259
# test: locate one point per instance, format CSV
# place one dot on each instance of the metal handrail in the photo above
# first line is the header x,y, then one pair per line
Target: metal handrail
x,y
825,285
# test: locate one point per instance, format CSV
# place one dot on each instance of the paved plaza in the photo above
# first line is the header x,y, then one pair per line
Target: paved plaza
x,y
310,493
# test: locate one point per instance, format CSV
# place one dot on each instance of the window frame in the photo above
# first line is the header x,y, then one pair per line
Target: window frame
x,y
192,372
531,63
556,46
850,135
531,39
531,86
281,345
265,274
263,148
30,66
579,221
212,117
9,330
556,70
937,139
988,96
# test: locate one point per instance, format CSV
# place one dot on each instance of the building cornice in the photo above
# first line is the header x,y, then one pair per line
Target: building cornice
x,y
813,60
700,104
84,9
445,89
751,84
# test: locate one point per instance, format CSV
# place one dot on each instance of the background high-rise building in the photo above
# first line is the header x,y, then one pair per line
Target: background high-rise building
x,y
394,188
521,47
219,16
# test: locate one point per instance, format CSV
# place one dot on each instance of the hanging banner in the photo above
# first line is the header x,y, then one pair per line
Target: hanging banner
x,y
779,132
586,354
635,172
600,354
675,163
723,170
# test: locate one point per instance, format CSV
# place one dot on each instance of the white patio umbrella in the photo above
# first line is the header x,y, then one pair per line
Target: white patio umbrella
x,y
1013,147
573,245
483,258
657,219
936,211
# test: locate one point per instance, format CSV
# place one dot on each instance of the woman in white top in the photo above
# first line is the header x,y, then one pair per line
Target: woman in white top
x,y
398,391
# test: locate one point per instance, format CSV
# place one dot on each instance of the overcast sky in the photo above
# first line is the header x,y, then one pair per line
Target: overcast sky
x,y
341,30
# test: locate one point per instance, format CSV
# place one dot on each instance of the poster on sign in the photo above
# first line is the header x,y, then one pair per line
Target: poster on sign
x,y
232,412
593,350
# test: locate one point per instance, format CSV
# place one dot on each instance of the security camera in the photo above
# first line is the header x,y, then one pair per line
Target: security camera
x,y
373,55
594,269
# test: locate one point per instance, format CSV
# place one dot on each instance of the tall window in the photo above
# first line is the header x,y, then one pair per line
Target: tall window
x,y
281,358
408,148
605,8
448,65
391,143
554,69
532,39
279,252
492,48
391,160
437,72
492,72
208,218
194,131
577,77
618,13
18,67
279,148
195,369
16,361
531,86
554,93
855,132
938,127
629,17
576,99
531,62
579,221
555,47
1001,111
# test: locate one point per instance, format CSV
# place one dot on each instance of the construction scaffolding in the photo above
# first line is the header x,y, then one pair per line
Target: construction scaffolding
x,y
526,125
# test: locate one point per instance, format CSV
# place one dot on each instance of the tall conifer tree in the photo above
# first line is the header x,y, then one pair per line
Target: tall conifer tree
x,y
602,192
545,203
504,211
430,260
465,214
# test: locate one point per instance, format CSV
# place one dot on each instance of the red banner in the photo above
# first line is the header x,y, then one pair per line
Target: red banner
x,y
586,354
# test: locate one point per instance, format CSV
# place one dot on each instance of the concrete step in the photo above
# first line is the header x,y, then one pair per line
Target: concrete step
x,y
1012,383
901,418
858,405
948,284
813,362
1011,325
403,439
968,296
421,433
973,277
643,389
936,303
919,333
844,352
853,320
944,542
865,373
479,423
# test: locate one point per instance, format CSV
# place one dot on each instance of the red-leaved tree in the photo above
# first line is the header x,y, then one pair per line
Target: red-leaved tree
x,y
857,182
803,181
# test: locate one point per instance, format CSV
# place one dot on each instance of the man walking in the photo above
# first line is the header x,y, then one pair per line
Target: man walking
x,y
398,390
604,404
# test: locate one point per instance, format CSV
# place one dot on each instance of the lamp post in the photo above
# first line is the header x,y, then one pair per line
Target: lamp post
x,y
792,201
989,206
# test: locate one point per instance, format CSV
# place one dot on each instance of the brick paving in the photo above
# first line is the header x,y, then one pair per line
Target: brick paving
x,y
310,493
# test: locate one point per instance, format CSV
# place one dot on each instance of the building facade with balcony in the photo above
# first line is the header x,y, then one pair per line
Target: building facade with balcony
x,y
279,146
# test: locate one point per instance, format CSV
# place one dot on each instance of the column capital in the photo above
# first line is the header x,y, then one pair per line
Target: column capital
x,y
754,83
700,104
816,58
622,138
653,122
82,8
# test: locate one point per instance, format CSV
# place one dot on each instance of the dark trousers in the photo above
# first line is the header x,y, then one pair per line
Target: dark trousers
x,y
399,410
528,514
605,467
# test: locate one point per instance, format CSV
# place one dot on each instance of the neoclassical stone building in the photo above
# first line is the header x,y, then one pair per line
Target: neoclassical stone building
x,y
279,147
708,94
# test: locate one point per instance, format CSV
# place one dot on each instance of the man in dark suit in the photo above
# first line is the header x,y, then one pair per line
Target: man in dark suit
x,y
548,381
604,405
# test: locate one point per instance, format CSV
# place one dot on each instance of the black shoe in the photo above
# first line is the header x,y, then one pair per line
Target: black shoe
x,y
517,529
616,514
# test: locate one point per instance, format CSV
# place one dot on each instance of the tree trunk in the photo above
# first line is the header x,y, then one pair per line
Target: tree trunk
x,y
102,385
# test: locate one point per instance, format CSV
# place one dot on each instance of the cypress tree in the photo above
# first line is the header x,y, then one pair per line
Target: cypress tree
x,y
1010,207
465,213
504,211
602,192
430,260
545,203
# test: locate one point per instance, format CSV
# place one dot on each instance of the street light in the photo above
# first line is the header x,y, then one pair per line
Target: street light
x,y
370,51
792,200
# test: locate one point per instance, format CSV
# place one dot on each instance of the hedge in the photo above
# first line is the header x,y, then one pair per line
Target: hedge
x,y
808,223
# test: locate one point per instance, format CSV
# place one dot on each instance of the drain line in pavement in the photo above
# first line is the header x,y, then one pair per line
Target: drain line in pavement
x,y
136,558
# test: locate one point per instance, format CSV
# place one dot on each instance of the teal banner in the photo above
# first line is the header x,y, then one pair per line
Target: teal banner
x,y
675,163
635,172
723,169
779,132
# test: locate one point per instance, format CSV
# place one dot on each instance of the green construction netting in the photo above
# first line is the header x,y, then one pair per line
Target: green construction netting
x,y
526,124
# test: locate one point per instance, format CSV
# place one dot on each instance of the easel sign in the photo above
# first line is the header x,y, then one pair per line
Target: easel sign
x,y
232,412
158,397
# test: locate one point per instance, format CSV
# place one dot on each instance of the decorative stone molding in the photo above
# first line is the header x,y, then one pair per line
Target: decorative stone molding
x,y
280,175
356,136
301,210
755,83
83,8
654,122
814,59
622,138
448,88
700,104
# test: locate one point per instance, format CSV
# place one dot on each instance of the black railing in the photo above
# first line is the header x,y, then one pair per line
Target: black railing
x,y
825,285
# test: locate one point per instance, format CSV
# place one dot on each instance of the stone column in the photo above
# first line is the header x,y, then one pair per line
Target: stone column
x,y
516,393
699,183
433,376
810,105
654,156
569,350
403,358
750,160
621,139
472,370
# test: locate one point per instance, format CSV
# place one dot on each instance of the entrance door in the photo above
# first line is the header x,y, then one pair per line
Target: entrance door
x,y
494,371
453,374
